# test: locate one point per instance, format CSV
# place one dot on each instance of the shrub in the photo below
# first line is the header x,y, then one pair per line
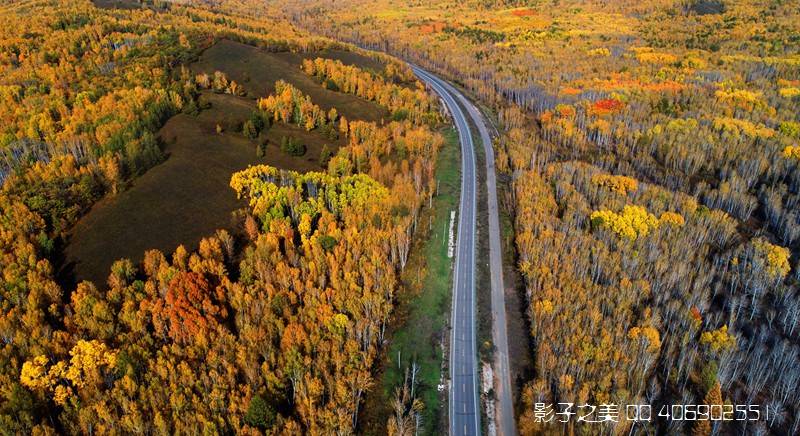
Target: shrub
x,y
331,85
254,125
258,121
249,130
400,115
292,146
261,149
191,108
329,131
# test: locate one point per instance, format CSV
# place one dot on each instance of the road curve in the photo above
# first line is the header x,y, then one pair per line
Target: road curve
x,y
506,424
460,391
463,397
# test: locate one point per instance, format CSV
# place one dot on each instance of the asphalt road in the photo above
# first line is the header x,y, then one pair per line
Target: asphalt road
x,y
504,405
463,398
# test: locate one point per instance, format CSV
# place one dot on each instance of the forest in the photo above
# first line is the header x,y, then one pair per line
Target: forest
x,y
649,166
271,327
649,153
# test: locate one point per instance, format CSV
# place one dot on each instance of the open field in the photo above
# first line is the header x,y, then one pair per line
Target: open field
x,y
423,307
185,198
258,70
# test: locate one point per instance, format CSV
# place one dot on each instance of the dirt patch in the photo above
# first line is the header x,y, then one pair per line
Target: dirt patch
x,y
257,71
183,199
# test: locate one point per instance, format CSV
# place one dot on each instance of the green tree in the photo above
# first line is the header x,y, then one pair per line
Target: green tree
x,y
259,413
249,130
292,146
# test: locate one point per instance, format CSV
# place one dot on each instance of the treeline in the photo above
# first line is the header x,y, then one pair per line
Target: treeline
x,y
403,102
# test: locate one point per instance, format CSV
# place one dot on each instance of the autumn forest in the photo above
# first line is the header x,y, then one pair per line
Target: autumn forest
x,y
232,216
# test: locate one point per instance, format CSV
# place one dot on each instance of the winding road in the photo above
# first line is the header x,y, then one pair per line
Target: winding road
x,y
463,396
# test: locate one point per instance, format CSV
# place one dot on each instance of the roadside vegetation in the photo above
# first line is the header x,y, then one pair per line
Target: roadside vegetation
x,y
424,311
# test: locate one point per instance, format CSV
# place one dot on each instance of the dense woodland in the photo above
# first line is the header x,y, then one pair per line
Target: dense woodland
x,y
650,151
272,328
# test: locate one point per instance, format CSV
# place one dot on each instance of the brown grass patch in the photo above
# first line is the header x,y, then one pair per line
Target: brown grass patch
x,y
258,70
185,198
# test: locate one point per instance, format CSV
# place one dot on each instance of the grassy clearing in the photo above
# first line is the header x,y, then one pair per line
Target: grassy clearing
x,y
423,307
176,202
258,70
187,197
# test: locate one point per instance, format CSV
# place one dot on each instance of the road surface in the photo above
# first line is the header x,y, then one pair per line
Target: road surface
x,y
463,398
506,424
463,359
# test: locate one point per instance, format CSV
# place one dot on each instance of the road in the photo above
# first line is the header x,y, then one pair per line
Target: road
x,y
506,424
463,397
464,411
